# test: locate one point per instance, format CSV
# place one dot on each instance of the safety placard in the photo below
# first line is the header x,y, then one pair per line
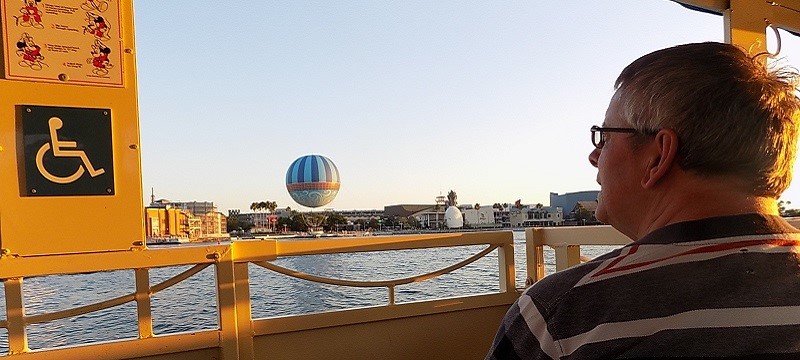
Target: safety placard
x,y
74,41
67,151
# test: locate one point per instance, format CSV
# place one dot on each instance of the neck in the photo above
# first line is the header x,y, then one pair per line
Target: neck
x,y
699,200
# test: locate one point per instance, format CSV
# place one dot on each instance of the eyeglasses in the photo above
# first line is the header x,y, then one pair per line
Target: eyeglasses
x,y
599,134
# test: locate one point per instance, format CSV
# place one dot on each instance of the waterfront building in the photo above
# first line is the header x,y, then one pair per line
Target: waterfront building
x,y
429,216
502,217
406,210
536,216
260,221
362,215
195,226
202,221
433,219
478,218
162,222
284,213
195,207
432,216
263,222
213,225
584,213
568,201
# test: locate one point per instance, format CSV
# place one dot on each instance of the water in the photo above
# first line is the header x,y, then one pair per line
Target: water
x,y
191,304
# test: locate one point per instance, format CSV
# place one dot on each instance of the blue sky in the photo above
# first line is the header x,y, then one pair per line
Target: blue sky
x,y
410,99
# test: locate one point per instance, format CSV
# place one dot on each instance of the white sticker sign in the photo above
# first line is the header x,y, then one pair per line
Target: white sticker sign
x,y
77,41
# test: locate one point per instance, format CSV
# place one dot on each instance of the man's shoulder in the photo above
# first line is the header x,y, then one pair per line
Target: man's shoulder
x,y
550,290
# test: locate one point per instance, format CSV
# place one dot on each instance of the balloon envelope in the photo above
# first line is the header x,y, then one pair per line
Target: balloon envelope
x,y
312,180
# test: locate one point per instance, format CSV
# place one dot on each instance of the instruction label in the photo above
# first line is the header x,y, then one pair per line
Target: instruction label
x,y
73,41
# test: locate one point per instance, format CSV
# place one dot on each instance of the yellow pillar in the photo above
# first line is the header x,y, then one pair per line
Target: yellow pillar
x,y
744,29
506,264
534,254
15,310
143,309
567,256
233,304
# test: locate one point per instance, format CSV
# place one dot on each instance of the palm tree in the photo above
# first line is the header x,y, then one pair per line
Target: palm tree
x,y
271,206
782,206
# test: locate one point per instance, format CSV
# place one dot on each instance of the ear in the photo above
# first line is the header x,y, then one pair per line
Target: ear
x,y
663,152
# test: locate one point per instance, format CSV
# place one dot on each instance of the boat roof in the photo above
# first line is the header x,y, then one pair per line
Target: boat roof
x,y
717,7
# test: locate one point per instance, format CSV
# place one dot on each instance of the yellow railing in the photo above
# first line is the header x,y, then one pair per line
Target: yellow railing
x,y
238,336
566,242
462,325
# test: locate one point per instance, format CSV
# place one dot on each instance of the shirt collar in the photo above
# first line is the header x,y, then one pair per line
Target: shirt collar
x,y
719,227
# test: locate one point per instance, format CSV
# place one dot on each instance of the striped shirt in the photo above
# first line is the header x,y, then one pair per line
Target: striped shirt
x,y
725,287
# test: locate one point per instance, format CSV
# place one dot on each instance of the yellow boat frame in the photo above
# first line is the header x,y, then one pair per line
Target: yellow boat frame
x,y
448,328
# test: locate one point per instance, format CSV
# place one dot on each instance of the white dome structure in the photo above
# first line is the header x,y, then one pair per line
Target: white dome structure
x,y
453,217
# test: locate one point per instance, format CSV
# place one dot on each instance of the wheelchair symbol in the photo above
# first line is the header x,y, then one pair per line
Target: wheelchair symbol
x,y
59,149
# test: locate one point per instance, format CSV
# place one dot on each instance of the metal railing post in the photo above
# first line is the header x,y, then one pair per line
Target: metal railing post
x,y
233,305
15,310
567,256
143,308
534,254
243,311
506,266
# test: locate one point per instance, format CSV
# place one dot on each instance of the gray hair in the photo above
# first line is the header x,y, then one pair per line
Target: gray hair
x,y
733,116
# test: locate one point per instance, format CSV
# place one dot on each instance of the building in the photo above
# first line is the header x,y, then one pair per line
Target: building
x,y
195,207
195,226
162,223
584,213
406,210
481,217
568,201
213,225
502,217
362,215
262,221
428,216
202,220
284,213
536,216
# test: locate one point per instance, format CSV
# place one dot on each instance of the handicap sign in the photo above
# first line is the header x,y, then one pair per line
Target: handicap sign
x,y
68,151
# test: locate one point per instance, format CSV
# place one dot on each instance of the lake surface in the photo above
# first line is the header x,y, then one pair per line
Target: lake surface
x,y
191,304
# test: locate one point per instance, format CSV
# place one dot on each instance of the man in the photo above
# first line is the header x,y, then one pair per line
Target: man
x,y
697,145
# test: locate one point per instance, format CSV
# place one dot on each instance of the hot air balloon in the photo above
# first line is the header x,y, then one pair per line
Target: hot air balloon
x,y
312,180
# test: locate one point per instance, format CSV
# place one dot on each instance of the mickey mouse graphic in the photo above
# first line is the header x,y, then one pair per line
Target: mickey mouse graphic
x,y
97,26
94,5
30,52
100,59
31,15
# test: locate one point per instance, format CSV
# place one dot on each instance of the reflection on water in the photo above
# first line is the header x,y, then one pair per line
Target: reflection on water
x,y
296,296
61,292
186,306
191,304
